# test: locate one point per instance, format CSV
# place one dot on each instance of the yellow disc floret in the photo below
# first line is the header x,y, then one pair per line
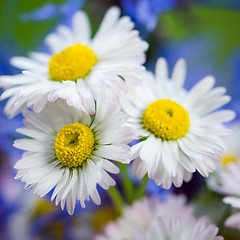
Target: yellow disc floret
x,y
227,158
166,119
74,144
72,63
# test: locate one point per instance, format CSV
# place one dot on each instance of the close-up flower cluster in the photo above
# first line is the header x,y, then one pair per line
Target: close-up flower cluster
x,y
119,120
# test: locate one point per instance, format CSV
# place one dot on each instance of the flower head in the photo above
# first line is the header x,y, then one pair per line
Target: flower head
x,y
150,219
225,179
228,184
70,151
77,66
179,131
179,228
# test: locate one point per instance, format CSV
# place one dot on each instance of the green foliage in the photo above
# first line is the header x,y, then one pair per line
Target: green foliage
x,y
222,25
26,36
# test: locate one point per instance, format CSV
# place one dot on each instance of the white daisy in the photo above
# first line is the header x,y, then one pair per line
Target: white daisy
x,y
181,228
70,151
179,131
229,182
226,179
231,156
77,66
150,219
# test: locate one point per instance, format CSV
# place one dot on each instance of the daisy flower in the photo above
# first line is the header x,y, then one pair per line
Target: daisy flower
x,y
231,156
226,178
179,131
151,219
70,151
229,183
180,228
77,66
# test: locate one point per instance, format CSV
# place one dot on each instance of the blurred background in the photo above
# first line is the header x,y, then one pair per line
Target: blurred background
x,y
205,33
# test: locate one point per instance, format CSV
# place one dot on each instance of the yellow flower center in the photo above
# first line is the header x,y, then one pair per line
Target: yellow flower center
x,y
74,144
227,158
166,119
72,63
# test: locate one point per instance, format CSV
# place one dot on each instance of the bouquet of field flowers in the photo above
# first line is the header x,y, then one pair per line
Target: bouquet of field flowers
x,y
94,115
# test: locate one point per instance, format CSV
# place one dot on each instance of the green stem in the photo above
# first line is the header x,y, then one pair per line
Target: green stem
x,y
128,187
142,188
226,214
116,199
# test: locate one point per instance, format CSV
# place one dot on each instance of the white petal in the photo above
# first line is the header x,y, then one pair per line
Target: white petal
x,y
135,149
81,27
61,183
110,167
217,104
71,201
48,183
168,158
40,57
27,64
149,149
72,178
161,73
199,90
95,197
118,152
234,201
233,221
178,76
185,161
30,145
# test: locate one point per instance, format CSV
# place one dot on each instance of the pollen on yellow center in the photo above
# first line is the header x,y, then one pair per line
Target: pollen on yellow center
x,y
72,63
166,119
74,144
227,158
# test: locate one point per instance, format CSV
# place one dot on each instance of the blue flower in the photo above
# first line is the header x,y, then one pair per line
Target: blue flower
x,y
145,12
8,134
64,11
153,189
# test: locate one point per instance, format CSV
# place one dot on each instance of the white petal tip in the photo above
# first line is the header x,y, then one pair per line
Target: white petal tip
x,y
161,60
182,62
